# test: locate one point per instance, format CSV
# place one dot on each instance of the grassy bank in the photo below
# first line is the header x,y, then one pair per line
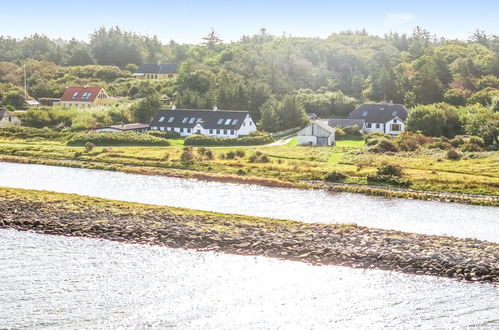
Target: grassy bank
x,y
429,170
339,244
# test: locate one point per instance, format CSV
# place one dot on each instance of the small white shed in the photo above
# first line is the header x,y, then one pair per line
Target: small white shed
x,y
316,134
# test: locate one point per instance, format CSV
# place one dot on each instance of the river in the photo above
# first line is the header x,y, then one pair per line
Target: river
x,y
426,217
52,282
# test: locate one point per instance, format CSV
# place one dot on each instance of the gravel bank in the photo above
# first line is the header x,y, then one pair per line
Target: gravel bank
x,y
338,244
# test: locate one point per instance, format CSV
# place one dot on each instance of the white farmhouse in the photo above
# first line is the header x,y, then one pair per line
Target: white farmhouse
x,y
386,118
316,134
217,123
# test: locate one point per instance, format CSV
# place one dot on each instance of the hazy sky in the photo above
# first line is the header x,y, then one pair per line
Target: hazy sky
x,y
188,21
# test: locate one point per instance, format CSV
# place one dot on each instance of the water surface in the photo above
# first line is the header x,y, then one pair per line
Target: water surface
x,y
53,282
427,217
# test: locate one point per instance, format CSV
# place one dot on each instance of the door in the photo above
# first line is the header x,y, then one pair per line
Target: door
x,y
322,141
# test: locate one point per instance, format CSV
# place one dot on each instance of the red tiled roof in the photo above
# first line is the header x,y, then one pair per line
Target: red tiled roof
x,y
76,94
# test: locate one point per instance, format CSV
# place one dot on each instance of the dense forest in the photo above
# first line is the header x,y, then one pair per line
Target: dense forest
x,y
265,74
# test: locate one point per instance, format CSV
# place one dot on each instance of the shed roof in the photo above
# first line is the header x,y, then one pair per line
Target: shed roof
x,y
346,122
127,127
379,113
161,68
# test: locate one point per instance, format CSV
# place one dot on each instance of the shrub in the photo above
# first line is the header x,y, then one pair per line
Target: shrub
x,y
241,172
201,140
122,138
209,154
258,157
230,155
23,132
240,153
89,146
339,132
388,179
352,131
453,154
442,145
187,156
264,159
384,146
164,134
374,138
468,146
335,176
390,169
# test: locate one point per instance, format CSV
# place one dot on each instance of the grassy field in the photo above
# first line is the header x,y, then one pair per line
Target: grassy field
x,y
426,169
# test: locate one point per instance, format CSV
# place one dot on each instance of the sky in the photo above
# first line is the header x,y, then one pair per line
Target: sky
x,y
189,20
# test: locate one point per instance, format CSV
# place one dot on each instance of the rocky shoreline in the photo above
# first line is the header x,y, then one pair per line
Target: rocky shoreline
x,y
321,244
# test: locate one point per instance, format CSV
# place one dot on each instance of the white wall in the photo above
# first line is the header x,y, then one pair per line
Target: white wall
x,y
247,126
305,140
76,104
394,121
107,129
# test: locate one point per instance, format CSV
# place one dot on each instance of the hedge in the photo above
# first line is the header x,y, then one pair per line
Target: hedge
x,y
201,140
23,132
165,134
120,138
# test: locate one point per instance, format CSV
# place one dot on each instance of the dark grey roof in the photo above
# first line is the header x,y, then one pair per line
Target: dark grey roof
x,y
342,123
6,113
209,119
379,113
162,68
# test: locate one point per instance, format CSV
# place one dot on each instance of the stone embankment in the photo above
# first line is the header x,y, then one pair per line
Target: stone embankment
x,y
337,244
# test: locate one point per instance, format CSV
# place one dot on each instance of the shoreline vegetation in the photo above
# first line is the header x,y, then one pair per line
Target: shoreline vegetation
x,y
319,244
381,191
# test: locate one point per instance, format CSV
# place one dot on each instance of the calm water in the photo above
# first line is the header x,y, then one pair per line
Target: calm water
x,y
57,282
426,217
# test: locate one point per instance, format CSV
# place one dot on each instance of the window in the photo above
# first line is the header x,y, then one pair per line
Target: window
x,y
220,121
235,121
394,113
84,96
161,128
368,125
364,113
75,94
192,120
232,132
225,131
170,119
185,120
227,121
188,130
161,119
199,119
181,130
244,123
251,123
395,127
378,125
218,131
395,120
155,76
211,131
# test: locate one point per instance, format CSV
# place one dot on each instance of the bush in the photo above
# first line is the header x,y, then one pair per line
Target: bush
x,y
258,157
122,138
23,132
201,140
468,146
453,154
390,169
442,145
352,131
164,134
240,153
374,138
388,179
187,157
384,146
339,132
335,176
89,146
230,155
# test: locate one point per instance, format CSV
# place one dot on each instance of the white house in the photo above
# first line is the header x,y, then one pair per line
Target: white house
x,y
387,118
217,123
316,134
7,118
134,127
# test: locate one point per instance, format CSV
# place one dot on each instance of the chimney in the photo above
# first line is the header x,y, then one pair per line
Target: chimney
x,y
174,107
215,108
391,102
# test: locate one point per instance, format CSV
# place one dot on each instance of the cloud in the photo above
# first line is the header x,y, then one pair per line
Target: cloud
x,y
398,18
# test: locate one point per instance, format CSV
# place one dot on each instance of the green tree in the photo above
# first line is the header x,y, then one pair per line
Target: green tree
x,y
145,109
